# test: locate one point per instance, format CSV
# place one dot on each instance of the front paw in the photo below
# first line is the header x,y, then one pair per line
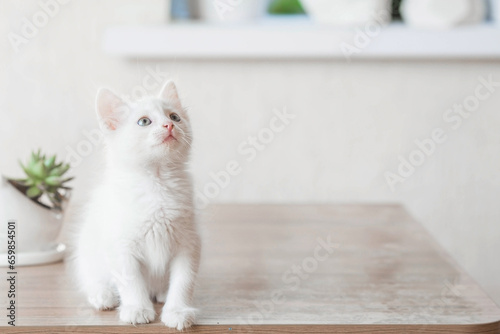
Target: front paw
x,y
181,318
105,299
137,314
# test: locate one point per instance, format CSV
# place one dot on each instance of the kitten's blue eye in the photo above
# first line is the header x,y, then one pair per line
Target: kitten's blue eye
x,y
144,121
174,117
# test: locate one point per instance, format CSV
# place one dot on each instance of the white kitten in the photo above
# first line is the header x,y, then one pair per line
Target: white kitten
x,y
139,241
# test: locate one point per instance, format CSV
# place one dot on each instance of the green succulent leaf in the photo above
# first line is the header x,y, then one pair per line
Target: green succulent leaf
x,y
67,180
53,181
28,183
26,170
59,171
49,163
39,171
33,159
33,192
65,168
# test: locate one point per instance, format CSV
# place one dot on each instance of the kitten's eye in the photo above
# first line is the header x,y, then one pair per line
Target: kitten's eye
x,y
174,117
144,121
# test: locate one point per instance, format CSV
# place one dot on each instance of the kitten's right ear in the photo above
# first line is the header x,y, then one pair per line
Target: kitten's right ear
x,y
169,93
110,108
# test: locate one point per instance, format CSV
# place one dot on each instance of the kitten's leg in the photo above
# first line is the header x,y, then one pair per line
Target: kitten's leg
x,y
96,282
136,306
177,311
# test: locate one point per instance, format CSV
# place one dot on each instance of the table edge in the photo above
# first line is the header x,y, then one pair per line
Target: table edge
x,y
490,327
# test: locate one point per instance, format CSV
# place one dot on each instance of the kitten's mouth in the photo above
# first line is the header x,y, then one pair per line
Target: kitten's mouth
x,y
169,139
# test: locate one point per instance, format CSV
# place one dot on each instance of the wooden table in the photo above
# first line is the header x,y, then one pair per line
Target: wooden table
x,y
292,268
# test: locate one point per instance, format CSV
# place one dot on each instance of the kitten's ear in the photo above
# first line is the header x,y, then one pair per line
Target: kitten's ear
x,y
110,108
169,93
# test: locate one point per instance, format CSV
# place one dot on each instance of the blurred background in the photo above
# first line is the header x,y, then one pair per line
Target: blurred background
x,y
389,101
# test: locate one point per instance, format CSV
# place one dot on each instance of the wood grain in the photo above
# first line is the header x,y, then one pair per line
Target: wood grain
x,y
265,269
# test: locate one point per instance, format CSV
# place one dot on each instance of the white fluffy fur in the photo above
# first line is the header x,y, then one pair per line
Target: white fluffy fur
x,y
139,242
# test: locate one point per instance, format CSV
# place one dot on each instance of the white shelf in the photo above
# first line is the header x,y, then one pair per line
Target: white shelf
x,y
298,38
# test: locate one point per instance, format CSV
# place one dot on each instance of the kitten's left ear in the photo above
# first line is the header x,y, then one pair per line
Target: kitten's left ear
x,y
169,93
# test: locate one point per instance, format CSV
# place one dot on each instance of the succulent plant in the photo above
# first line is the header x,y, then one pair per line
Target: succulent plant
x,y
285,7
44,182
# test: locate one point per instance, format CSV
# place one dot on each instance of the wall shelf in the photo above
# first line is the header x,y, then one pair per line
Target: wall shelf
x,y
299,38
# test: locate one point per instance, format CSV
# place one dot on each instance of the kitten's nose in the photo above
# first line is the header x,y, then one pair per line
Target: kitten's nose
x,y
169,126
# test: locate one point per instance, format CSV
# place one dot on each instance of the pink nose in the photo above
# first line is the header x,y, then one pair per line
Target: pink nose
x,y
169,126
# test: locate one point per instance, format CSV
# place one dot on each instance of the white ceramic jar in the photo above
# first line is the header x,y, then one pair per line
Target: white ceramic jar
x,y
36,228
442,14
348,12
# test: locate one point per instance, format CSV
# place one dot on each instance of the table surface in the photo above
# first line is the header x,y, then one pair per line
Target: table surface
x,y
307,268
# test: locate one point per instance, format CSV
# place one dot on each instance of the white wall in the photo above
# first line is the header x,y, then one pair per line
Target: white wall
x,y
352,122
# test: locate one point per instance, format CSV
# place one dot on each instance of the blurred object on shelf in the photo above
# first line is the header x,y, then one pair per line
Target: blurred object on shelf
x,y
349,12
284,7
230,10
442,14
396,14
182,9
495,11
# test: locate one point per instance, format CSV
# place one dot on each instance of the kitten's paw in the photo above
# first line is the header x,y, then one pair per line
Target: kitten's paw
x,y
104,300
137,314
178,318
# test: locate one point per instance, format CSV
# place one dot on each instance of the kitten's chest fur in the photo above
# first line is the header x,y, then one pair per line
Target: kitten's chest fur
x,y
164,208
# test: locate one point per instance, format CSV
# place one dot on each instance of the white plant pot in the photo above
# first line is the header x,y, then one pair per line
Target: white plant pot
x,y
36,231
442,14
348,12
231,10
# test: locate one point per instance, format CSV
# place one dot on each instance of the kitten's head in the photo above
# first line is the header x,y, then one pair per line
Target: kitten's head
x,y
149,131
